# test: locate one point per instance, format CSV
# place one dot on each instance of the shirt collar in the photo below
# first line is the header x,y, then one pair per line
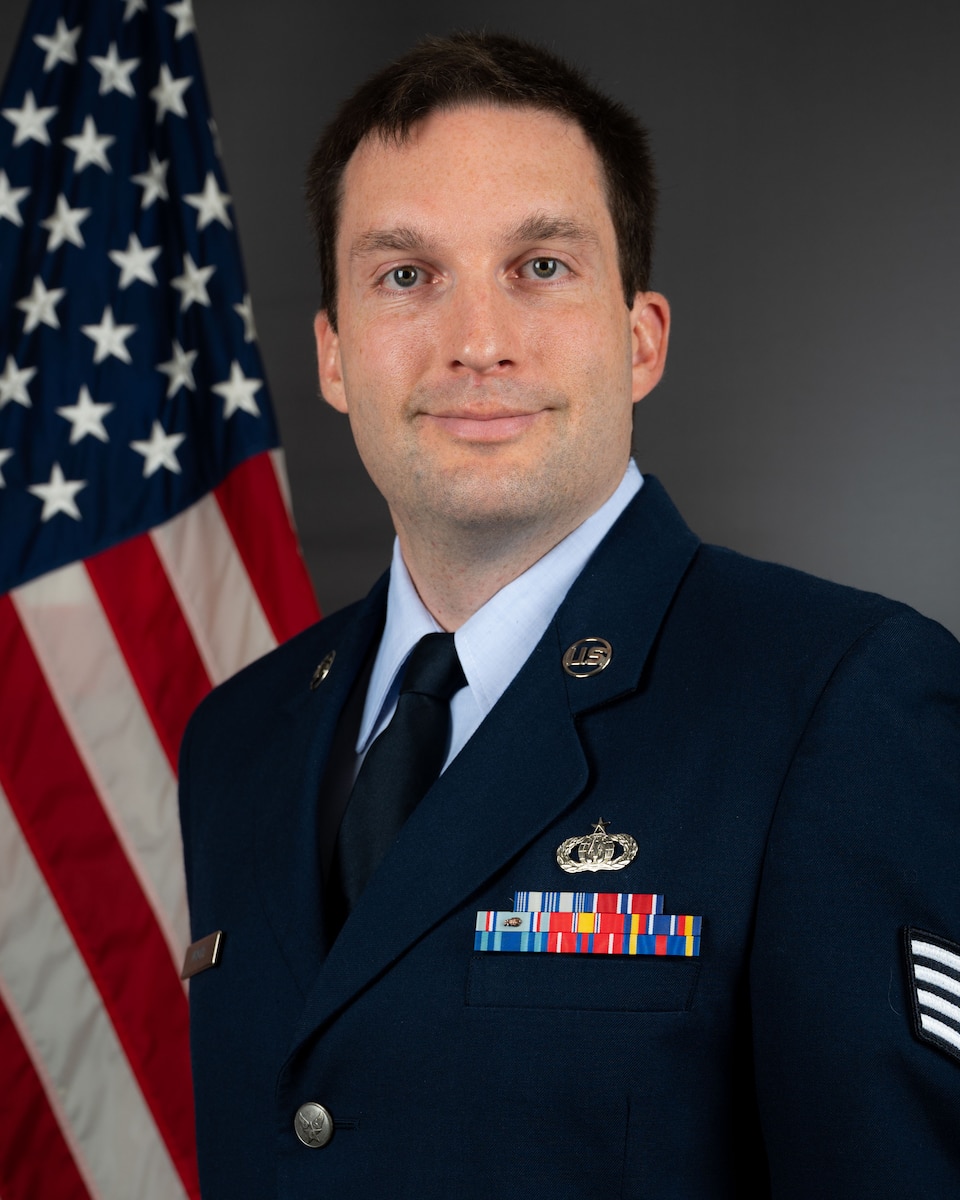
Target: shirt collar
x,y
495,642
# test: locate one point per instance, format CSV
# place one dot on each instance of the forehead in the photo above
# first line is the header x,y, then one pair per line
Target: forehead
x,y
503,162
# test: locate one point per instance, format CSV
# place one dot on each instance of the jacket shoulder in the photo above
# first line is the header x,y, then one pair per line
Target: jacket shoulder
x,y
784,599
768,629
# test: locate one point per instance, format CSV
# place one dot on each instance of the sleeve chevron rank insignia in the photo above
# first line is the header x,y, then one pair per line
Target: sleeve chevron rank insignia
x,y
933,974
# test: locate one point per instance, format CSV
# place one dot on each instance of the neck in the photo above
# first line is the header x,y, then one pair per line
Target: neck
x,y
457,571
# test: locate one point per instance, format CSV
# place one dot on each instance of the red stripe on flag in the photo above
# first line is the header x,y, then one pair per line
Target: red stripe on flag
x,y
109,918
267,544
34,1157
149,626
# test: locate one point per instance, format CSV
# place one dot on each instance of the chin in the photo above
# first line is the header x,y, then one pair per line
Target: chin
x,y
495,501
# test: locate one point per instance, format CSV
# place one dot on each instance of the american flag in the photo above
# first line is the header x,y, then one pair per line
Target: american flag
x,y
146,553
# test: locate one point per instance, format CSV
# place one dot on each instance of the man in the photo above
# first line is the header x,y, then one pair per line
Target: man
x,y
744,776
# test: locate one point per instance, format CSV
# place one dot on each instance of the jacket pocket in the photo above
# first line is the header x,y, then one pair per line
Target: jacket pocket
x,y
583,982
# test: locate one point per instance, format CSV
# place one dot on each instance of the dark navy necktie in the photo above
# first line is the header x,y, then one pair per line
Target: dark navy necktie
x,y
401,764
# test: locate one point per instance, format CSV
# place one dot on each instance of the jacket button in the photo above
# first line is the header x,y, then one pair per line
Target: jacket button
x,y
313,1125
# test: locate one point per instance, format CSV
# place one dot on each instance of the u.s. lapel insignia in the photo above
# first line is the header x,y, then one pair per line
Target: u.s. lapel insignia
x,y
597,851
587,657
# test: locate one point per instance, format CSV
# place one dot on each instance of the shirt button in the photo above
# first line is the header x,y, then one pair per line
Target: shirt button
x,y
313,1125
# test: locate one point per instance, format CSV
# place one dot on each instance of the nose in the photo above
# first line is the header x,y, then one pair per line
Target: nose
x,y
482,328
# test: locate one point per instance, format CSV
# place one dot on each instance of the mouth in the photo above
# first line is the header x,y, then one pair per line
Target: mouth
x,y
487,424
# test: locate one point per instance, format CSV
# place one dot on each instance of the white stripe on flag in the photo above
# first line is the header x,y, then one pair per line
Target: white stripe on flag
x,y
88,677
213,588
50,1089
938,1029
61,1020
937,953
938,978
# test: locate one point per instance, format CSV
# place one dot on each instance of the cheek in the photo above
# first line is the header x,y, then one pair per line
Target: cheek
x,y
594,354
387,354
596,326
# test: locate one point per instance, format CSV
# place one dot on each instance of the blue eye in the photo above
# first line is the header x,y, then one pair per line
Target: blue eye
x,y
546,268
403,277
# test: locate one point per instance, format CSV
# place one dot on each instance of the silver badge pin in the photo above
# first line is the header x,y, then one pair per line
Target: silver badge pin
x,y
597,851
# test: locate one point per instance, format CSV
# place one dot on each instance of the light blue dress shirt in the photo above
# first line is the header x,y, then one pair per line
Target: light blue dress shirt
x,y
497,640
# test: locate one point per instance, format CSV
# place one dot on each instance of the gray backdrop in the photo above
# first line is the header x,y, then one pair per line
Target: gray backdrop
x,y
809,243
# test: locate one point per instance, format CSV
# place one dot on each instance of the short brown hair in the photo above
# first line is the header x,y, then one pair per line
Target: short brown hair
x,y
487,68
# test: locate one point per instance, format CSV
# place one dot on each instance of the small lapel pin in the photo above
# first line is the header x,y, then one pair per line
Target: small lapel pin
x,y
587,657
597,851
202,954
322,671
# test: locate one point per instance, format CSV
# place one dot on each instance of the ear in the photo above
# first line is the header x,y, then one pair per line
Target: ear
x,y
328,362
650,327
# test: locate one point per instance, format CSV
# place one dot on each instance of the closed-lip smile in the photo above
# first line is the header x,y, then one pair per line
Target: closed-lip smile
x,y
488,423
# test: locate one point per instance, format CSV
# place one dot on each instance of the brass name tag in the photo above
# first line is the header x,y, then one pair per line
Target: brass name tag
x,y
203,954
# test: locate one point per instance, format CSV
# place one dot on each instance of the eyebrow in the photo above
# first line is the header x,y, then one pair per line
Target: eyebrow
x,y
402,240
540,227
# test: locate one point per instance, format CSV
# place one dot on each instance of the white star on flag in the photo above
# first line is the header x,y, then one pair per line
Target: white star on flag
x,y
110,338
168,94
245,312
4,456
40,306
10,200
133,6
13,383
61,46
211,203
179,369
183,12
153,181
238,392
58,494
64,224
86,417
136,262
90,147
30,121
192,284
159,451
114,72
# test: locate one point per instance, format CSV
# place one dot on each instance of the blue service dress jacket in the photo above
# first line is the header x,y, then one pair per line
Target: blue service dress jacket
x,y
785,753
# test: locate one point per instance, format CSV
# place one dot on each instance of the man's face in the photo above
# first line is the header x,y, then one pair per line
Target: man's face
x,y
484,352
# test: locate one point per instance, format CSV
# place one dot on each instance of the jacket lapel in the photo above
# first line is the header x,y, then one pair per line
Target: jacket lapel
x,y
525,765
289,876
